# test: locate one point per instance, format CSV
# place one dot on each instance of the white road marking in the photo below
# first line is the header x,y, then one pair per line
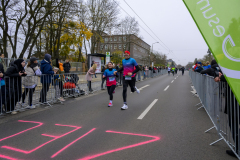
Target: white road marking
x,y
172,81
147,109
166,88
143,87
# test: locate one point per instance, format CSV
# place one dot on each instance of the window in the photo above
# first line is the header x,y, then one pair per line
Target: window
x,y
102,47
124,46
115,46
106,39
115,38
106,47
120,39
119,46
111,46
124,38
110,39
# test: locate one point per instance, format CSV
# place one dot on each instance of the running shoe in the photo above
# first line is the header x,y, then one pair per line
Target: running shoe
x,y
14,112
110,104
124,107
137,90
31,107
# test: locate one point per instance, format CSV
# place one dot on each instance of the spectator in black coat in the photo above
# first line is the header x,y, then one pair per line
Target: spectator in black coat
x,y
2,87
14,83
213,71
103,79
67,66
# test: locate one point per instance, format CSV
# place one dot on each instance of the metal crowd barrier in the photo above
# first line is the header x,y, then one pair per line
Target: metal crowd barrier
x,y
222,108
15,96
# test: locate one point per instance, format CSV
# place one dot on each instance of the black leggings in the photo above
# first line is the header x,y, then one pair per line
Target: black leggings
x,y
131,83
110,91
31,90
43,94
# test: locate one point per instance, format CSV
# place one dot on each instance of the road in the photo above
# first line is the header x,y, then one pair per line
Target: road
x,y
85,128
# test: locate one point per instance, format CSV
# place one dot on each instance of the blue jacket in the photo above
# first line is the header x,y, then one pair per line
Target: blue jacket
x,y
47,72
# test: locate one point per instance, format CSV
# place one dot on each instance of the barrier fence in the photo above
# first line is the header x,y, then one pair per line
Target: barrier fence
x,y
20,94
221,106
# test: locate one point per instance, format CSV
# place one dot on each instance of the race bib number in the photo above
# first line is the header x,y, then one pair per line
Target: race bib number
x,y
111,79
128,78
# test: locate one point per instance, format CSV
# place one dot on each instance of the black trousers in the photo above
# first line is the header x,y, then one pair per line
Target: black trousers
x,y
110,91
3,96
131,83
13,97
43,94
31,90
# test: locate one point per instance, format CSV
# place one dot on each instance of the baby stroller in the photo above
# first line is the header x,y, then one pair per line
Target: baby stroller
x,y
71,88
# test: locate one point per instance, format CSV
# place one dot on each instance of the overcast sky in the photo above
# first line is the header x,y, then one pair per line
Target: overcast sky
x,y
172,23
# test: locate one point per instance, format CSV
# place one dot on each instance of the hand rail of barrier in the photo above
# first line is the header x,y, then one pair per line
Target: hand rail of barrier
x,y
222,108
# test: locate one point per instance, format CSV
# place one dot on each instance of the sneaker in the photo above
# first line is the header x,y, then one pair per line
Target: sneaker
x,y
110,104
231,153
124,107
137,90
31,107
14,112
22,103
61,99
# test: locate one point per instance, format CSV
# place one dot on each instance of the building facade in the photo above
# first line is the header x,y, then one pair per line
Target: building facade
x,y
171,63
119,43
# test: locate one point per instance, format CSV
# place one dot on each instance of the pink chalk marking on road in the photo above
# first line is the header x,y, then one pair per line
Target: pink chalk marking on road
x,y
6,157
39,124
56,137
64,148
155,138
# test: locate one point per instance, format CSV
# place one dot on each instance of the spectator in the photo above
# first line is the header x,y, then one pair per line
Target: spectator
x,y
2,87
67,66
103,79
91,66
213,71
204,65
58,81
46,78
195,66
231,111
2,61
30,82
90,72
14,84
199,67
208,65
60,67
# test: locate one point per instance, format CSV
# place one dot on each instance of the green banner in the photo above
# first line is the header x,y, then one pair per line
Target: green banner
x,y
219,23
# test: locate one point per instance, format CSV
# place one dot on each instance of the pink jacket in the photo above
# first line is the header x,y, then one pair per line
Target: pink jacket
x,y
89,73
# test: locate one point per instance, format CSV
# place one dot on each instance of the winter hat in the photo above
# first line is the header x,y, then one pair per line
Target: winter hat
x,y
127,52
32,59
200,63
47,57
213,62
18,63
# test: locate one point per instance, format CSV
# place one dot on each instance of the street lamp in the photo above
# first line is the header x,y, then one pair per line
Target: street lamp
x,y
153,44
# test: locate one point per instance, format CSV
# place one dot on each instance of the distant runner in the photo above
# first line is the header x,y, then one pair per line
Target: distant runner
x,y
129,73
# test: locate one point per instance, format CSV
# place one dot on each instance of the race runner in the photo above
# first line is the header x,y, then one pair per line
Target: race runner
x,y
129,73
110,74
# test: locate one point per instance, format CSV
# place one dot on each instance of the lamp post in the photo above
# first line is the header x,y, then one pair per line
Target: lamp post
x,y
152,52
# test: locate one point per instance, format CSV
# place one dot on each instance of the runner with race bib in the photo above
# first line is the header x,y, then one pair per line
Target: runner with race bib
x,y
129,73
110,74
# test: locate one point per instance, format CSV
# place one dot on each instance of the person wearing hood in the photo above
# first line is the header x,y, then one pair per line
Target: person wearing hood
x,y
14,83
30,82
46,78
213,71
67,66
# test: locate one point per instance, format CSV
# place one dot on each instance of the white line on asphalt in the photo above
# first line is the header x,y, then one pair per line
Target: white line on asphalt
x,y
143,87
172,81
147,109
166,88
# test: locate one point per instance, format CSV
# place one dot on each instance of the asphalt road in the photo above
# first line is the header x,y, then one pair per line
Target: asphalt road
x,y
86,128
